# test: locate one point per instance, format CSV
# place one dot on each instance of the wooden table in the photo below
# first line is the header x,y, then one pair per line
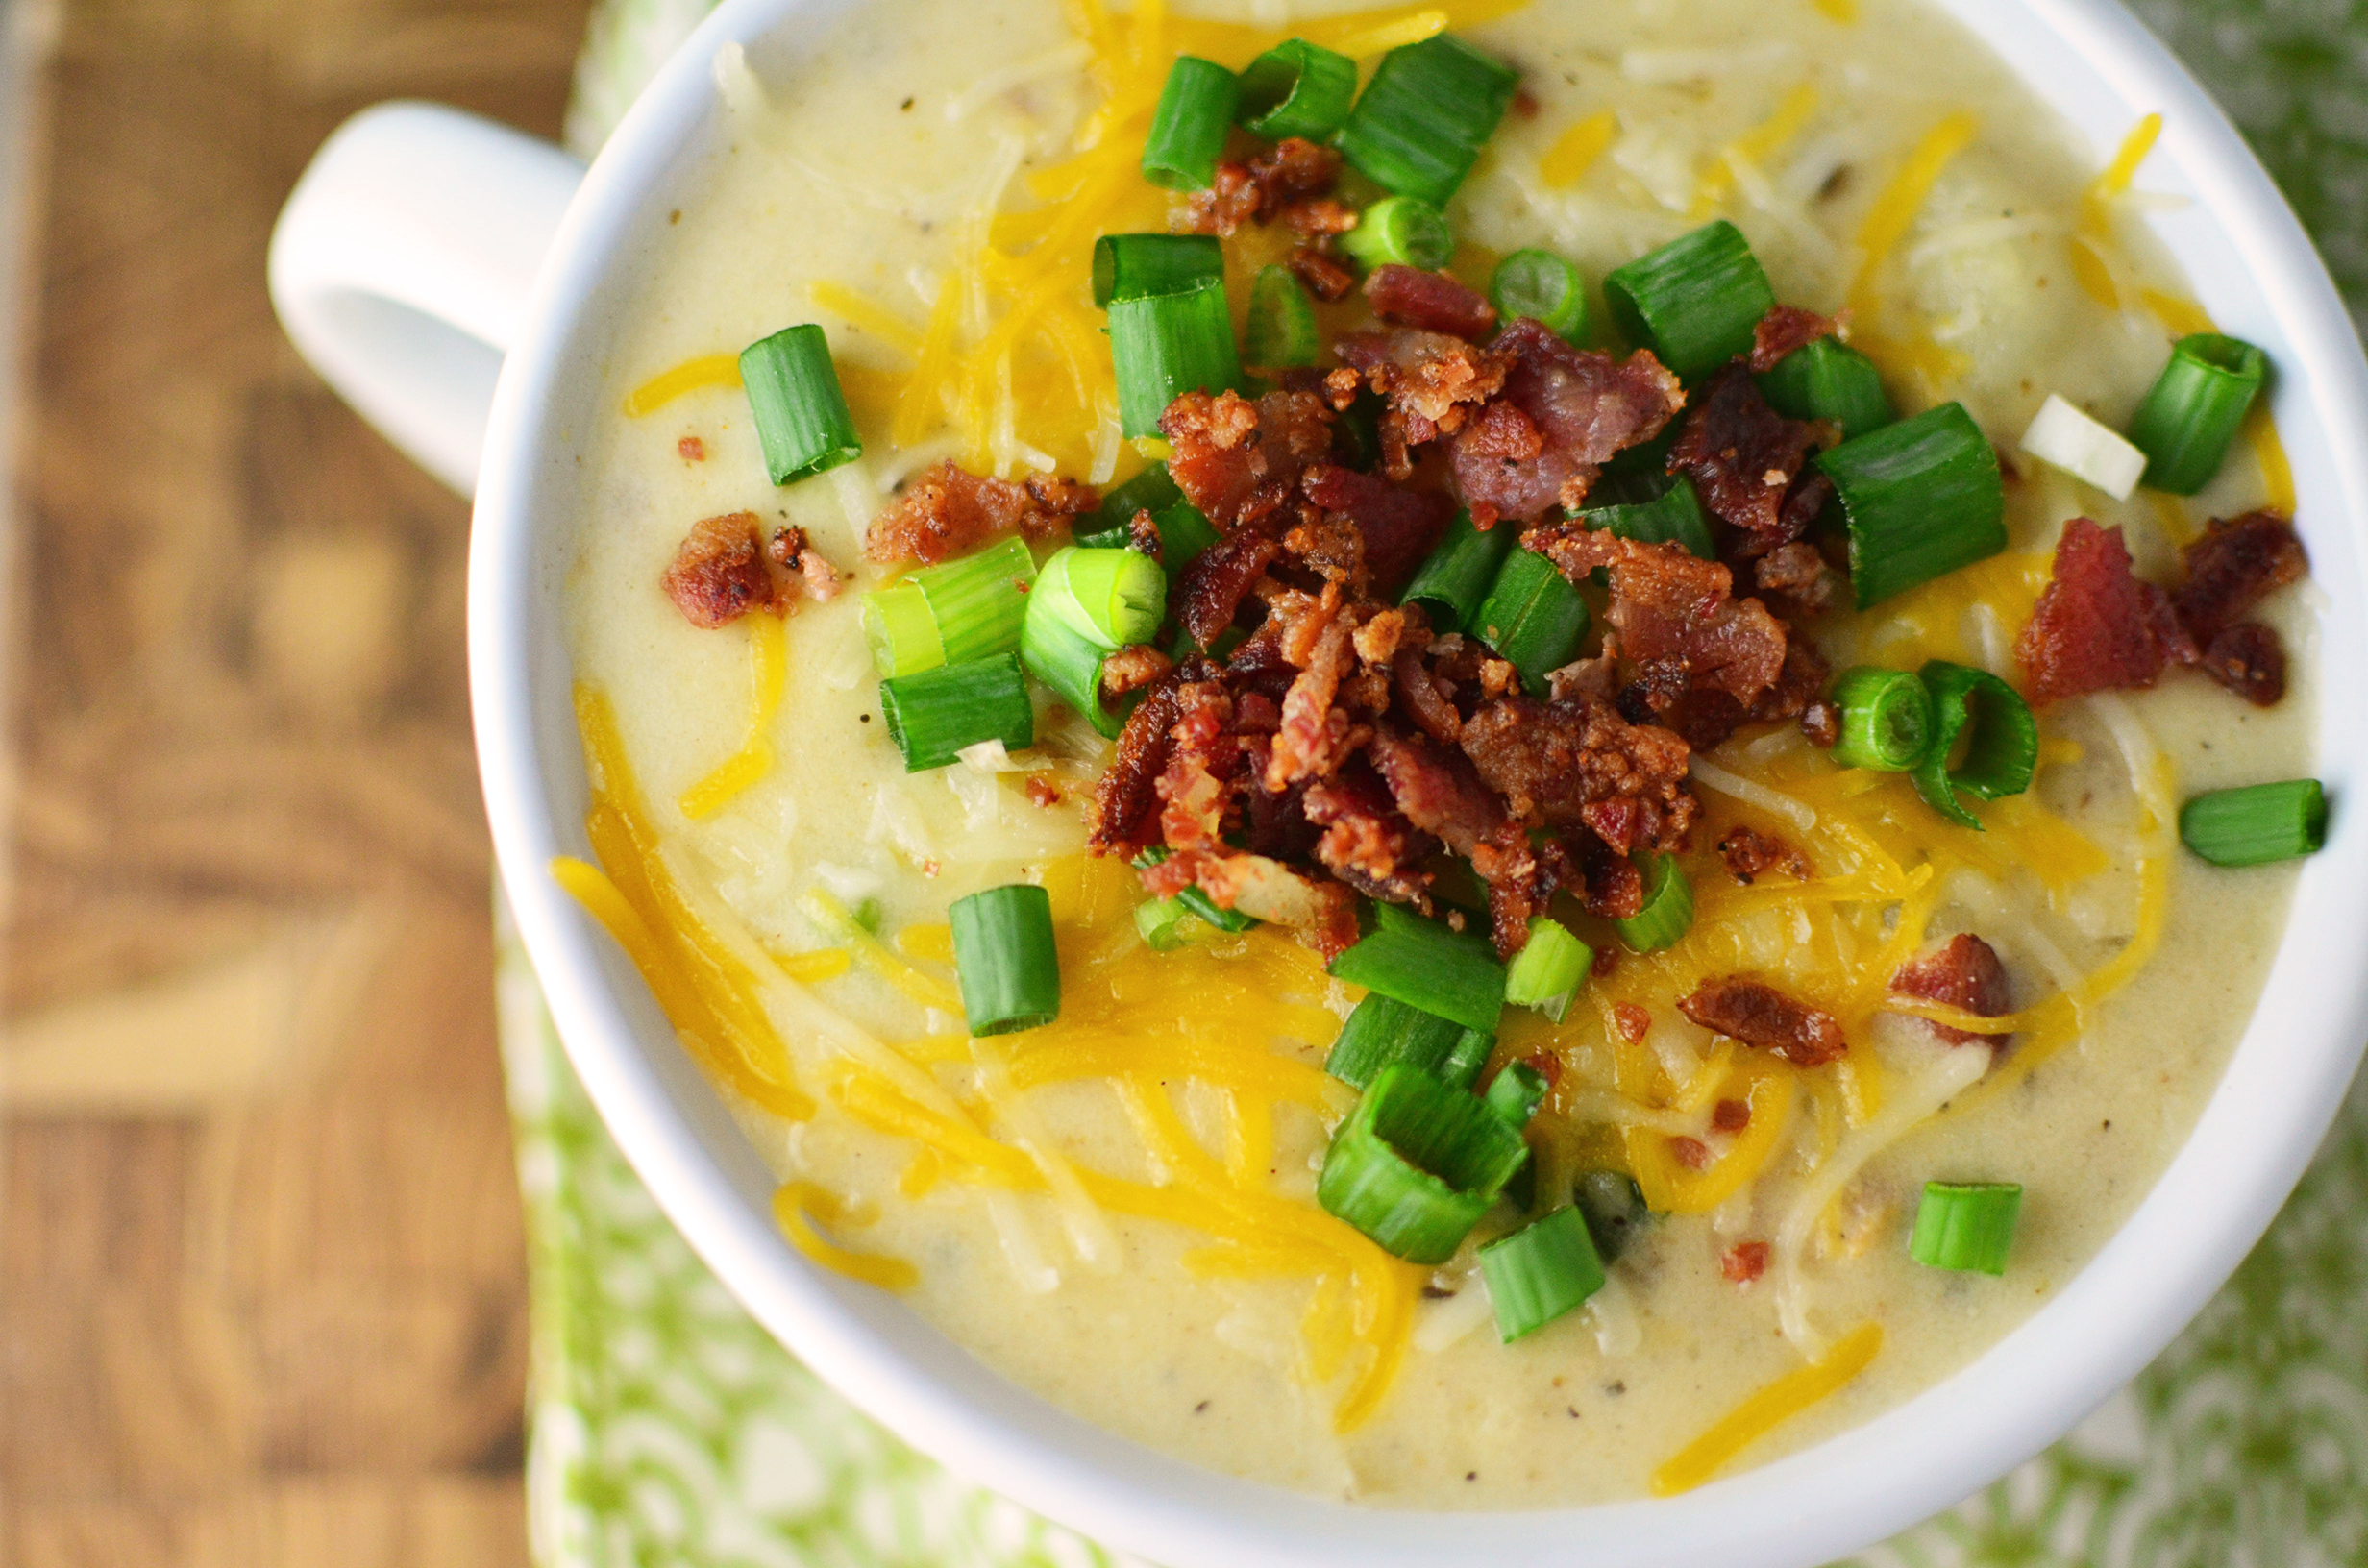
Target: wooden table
x,y
261,1284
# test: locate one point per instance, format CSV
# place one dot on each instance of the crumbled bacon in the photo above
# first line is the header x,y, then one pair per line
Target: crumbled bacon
x,y
1123,818
1743,456
1744,1262
1437,789
1729,1116
1315,737
1433,302
1366,843
2238,563
1964,973
1291,171
1210,590
1632,1021
1325,279
1750,854
1613,886
1670,605
1399,525
1562,762
2097,625
1799,573
1041,792
1822,724
1428,378
1231,201
1783,331
948,510
2249,660
791,550
1313,220
691,450
1132,668
1758,1013
1237,460
1690,1152
1586,407
718,573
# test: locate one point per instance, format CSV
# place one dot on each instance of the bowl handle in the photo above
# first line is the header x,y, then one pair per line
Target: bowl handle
x,y
400,266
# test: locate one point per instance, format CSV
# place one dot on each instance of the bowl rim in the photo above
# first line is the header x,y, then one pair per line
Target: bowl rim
x,y
2251,1144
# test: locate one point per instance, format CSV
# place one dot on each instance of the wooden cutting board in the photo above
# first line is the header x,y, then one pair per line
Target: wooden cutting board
x,y
261,1290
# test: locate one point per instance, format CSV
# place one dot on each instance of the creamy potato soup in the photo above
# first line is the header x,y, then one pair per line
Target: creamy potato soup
x,y
1652,874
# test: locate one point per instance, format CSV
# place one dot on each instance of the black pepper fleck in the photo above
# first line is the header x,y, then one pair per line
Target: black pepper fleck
x,y
1616,1388
863,718
1200,1407
906,105
1471,1475
1573,1410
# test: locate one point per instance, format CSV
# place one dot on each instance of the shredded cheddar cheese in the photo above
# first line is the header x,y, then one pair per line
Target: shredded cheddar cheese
x,y
769,662
2269,453
2096,203
1754,147
691,376
799,1205
1844,12
1576,150
1888,221
1767,1409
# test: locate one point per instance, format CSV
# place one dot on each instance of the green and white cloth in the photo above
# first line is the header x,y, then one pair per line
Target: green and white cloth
x,y
671,1432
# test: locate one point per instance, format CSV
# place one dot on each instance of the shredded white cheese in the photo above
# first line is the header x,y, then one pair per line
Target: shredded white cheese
x,y
2083,448
1710,775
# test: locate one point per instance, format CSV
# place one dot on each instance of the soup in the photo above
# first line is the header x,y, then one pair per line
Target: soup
x,y
1667,859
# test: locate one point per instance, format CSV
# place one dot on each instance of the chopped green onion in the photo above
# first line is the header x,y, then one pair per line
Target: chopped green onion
x,y
1383,1030
1615,1208
1184,532
1695,302
902,630
1167,345
1652,509
1421,121
1189,127
1137,266
1968,1226
1548,972
979,600
1886,720
2067,438
1533,617
1543,287
1151,491
1539,1272
1418,1164
2187,422
2256,824
2001,754
1404,231
1923,498
867,915
801,418
1668,912
1231,921
1455,578
1280,334
1004,957
1516,1093
937,715
1831,380
1296,89
1462,1067
1070,662
1425,964
1158,922
1110,597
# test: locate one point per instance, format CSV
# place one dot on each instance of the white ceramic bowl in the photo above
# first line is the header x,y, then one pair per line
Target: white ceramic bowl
x,y
417,213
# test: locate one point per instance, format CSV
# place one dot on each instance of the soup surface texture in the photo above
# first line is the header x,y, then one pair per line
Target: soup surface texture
x,y
1118,1211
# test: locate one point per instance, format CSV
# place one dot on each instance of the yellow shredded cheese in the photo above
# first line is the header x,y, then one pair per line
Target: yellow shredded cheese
x,y
1895,209
769,661
813,968
2097,201
799,1205
1844,12
872,317
1576,150
690,375
1767,1409
2184,317
2269,453
1754,147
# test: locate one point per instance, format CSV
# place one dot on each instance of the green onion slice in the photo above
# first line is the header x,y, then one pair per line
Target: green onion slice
x,y
1401,229
1463,1065
1425,964
2256,824
1184,532
801,418
2188,420
1653,509
1070,662
1615,1208
1189,127
1886,720
1003,956
1110,597
1539,1272
1166,345
1159,923
938,714
1695,302
1420,123
1384,1031
902,630
979,600
1548,973
1968,1226
1533,617
1231,921
1137,266
1831,380
1456,578
2001,754
1516,1093
1668,912
1296,89
1418,1164
1151,491
1280,334
1545,288
1923,498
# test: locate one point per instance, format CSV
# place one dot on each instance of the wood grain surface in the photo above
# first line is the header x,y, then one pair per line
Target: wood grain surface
x,y
261,1282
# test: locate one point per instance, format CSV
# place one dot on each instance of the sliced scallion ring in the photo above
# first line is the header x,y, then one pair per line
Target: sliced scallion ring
x,y
1540,1272
1418,127
1137,266
1418,1164
1382,1032
2002,750
1695,302
2191,416
1923,498
1533,618
1428,964
1669,908
1516,1093
2256,824
1548,972
1166,345
793,389
1829,381
1455,577
1652,509
1280,334
1543,287
1189,127
1399,230
1886,720
1005,959
937,715
1296,89
1968,1226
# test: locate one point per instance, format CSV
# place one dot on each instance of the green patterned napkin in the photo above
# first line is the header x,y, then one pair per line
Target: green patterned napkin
x,y
670,1430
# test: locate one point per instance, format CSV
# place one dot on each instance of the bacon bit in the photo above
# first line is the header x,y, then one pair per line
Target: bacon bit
x,y
1785,330
1822,724
1690,1152
1551,761
1041,792
1366,843
1237,460
1437,789
1132,668
2249,660
1731,1115
1293,170
2238,563
1315,737
1758,1013
1399,525
1615,888
1587,408
1212,589
789,550
1547,1066
1325,279
1432,302
1964,973
1123,818
948,510
1745,1262
1743,456
691,450
1431,379
1231,201
1750,854
1799,572
2097,626
718,573
1632,1021
1316,220
1668,605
